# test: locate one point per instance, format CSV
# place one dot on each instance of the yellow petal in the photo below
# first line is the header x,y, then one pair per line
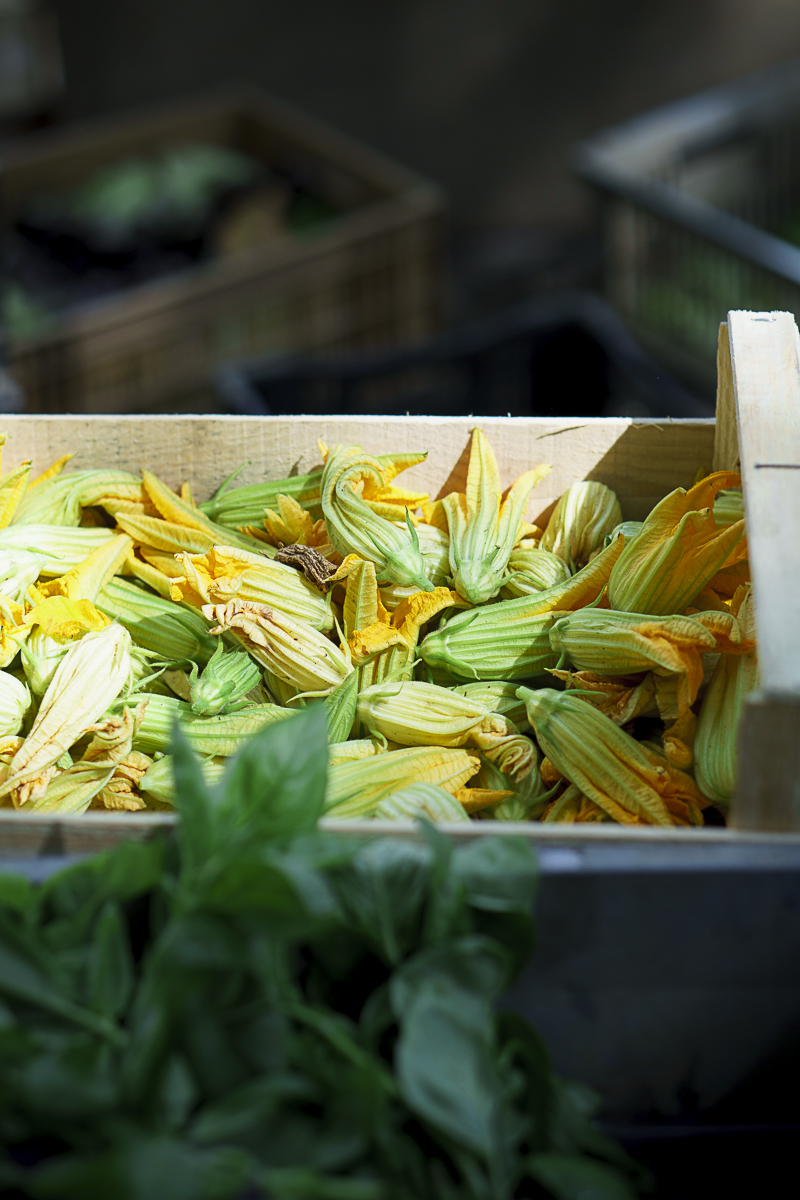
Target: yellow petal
x,y
415,611
12,489
61,617
476,799
433,513
172,508
53,470
165,535
86,581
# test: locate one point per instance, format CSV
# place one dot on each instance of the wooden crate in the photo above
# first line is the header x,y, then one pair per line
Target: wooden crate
x,y
641,460
374,275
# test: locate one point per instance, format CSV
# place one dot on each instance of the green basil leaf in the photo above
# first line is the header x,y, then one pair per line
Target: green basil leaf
x,y
500,874
110,967
384,891
193,802
16,892
568,1177
445,1066
275,785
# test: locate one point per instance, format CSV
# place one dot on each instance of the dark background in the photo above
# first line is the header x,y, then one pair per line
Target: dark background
x,y
483,96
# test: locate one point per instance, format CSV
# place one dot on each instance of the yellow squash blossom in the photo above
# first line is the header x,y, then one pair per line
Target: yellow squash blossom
x,y
226,573
614,643
483,531
620,699
679,549
355,527
293,651
581,520
88,679
607,764
510,640
290,524
718,724
53,626
12,489
87,580
75,788
386,647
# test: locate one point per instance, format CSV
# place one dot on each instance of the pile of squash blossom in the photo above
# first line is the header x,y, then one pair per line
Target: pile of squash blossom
x,y
471,664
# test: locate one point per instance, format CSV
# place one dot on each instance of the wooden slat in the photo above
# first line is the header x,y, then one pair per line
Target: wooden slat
x,y
765,356
640,460
34,835
766,371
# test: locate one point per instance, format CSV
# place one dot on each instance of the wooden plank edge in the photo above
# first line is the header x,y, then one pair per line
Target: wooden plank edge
x,y
36,834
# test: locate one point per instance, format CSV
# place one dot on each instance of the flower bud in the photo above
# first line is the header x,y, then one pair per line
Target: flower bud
x,y
15,700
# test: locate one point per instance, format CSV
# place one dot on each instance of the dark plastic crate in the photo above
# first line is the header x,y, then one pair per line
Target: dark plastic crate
x,y
566,355
695,201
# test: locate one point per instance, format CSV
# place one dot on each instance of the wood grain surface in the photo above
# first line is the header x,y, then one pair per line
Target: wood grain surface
x,y
765,357
640,460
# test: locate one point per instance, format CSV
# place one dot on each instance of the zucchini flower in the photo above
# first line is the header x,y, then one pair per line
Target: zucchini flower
x,y
86,580
499,697
289,524
421,800
18,570
55,624
356,788
729,507
678,551
604,762
12,489
619,643
158,783
510,640
219,736
482,530
355,528
59,547
60,500
383,646
720,712
225,573
172,631
434,546
581,521
224,683
527,796
15,700
293,651
183,513
627,529
88,679
622,700
533,571
422,714
75,788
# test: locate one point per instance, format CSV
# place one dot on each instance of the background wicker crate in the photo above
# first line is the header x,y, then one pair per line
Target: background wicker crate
x,y
693,198
373,275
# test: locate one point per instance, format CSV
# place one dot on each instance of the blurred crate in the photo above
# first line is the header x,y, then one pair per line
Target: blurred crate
x,y
563,355
372,275
693,199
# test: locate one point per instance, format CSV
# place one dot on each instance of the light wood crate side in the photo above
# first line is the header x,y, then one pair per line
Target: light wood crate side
x,y
765,360
640,460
